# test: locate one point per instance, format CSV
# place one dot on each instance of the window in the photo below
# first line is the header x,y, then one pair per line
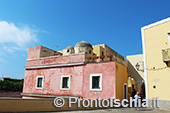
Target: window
x,y
102,54
125,91
65,82
89,51
39,83
96,82
68,51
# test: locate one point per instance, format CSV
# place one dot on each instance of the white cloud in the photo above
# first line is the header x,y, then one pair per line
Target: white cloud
x,y
11,49
14,38
22,37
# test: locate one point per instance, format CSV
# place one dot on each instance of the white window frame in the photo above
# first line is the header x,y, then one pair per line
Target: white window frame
x,y
42,82
100,82
61,83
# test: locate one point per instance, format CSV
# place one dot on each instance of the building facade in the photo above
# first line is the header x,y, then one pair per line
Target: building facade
x,y
156,52
82,71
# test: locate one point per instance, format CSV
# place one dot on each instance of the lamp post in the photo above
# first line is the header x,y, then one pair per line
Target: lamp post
x,y
137,66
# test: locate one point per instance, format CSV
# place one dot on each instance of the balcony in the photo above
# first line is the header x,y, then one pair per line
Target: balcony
x,y
166,55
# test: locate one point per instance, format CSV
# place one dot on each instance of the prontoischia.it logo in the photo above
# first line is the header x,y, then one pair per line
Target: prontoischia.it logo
x,y
60,102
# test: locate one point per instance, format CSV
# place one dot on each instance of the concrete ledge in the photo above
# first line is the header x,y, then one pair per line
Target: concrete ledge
x,y
55,65
41,105
45,96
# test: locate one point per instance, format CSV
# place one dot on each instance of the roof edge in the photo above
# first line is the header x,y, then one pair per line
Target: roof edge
x,y
155,24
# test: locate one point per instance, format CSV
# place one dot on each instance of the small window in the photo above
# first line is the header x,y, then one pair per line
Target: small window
x,y
96,82
68,51
65,82
102,54
39,83
44,50
89,51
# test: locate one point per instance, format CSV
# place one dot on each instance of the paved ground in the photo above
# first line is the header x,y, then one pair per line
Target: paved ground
x,y
118,110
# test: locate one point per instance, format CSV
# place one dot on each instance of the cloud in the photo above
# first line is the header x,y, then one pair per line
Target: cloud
x,y
20,36
16,39
11,49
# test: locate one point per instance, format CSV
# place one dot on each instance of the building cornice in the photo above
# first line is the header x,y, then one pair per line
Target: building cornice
x,y
54,65
156,23
45,95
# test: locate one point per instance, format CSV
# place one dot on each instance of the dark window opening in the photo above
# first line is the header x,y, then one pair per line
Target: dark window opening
x,y
125,91
102,54
68,51
90,52
95,82
44,50
39,82
65,82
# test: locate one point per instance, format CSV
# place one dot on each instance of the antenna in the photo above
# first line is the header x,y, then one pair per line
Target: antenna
x,y
56,47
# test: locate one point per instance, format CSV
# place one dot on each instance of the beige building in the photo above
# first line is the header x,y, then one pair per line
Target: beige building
x,y
156,54
136,73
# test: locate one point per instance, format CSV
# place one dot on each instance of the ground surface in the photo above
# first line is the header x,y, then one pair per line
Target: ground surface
x,y
118,110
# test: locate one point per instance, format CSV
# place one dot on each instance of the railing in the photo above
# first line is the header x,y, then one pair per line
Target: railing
x,y
166,54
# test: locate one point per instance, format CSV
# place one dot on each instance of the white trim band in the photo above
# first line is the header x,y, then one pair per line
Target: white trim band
x,y
55,65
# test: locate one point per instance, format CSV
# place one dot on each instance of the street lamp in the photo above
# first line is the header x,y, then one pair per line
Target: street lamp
x,y
137,66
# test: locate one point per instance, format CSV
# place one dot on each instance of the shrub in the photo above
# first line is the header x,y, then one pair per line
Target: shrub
x,y
7,85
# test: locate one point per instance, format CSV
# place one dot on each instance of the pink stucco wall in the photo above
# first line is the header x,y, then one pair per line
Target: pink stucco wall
x,y
107,69
34,52
80,80
52,79
57,60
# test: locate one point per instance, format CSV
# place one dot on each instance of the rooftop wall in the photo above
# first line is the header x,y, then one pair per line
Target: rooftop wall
x,y
74,58
40,51
34,52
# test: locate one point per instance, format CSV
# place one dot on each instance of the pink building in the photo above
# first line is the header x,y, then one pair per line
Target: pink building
x,y
50,73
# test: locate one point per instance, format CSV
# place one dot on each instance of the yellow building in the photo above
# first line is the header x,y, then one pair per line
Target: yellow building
x,y
136,76
156,54
108,54
131,86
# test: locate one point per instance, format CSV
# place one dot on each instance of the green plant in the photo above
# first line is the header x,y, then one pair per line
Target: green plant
x,y
7,85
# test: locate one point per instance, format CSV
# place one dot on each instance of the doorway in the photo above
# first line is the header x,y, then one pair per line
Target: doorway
x,y
125,90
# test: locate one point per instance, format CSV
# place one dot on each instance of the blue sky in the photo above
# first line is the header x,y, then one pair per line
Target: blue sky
x,y
28,23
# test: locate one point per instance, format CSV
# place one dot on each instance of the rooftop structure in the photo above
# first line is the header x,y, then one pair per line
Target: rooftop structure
x,y
83,52
84,71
